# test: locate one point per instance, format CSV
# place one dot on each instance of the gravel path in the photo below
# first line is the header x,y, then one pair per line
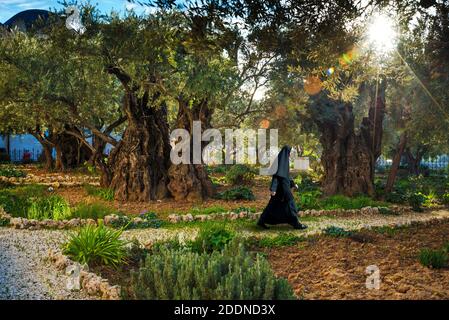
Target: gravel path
x,y
25,274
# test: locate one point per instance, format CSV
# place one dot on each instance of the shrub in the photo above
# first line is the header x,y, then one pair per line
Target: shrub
x,y
309,200
433,258
212,237
11,172
103,193
96,210
17,201
53,207
445,198
281,240
97,245
386,211
396,196
231,274
337,232
239,174
237,193
305,182
150,220
416,200
430,199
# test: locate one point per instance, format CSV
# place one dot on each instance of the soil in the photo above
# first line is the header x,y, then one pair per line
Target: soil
x,y
76,195
335,268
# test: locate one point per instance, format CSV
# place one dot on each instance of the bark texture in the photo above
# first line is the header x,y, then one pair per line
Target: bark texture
x,y
190,181
138,164
396,162
349,155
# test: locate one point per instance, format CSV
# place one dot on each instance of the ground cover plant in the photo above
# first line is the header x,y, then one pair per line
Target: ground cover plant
x,y
96,245
236,193
233,273
103,193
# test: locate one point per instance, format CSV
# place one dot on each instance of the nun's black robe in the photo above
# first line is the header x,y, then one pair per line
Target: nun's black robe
x,y
281,208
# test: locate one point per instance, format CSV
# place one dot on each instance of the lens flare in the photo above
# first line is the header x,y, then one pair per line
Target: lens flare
x,y
381,34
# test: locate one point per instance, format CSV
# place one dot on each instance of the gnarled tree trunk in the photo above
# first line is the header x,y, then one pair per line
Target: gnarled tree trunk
x,y
70,151
139,163
396,162
190,181
349,156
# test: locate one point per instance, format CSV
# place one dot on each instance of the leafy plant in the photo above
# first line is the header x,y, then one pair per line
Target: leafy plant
x,y
433,258
97,245
149,220
240,174
237,193
281,240
234,273
445,198
416,200
103,193
53,207
11,172
16,201
212,237
337,232
96,210
309,200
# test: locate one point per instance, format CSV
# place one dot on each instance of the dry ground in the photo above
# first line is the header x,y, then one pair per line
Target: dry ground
x,y
334,268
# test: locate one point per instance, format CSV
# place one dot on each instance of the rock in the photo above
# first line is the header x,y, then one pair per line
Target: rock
x,y
110,219
16,223
91,222
233,216
187,217
243,214
174,218
61,262
73,223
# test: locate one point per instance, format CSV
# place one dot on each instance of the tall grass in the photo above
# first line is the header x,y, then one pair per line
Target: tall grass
x,y
52,207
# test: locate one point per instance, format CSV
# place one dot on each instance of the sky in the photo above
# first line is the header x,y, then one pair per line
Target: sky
x,y
9,8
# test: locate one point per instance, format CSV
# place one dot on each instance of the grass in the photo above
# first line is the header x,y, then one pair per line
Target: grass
x,y
311,200
96,210
11,172
436,259
97,245
53,207
281,240
103,193
236,193
17,201
207,210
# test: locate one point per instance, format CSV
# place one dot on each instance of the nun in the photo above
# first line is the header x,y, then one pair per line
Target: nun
x,y
281,208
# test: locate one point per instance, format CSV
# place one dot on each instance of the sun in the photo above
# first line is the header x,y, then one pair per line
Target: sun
x,y
382,34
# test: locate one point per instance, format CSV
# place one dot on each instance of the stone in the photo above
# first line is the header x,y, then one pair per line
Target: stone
x,y
187,217
110,219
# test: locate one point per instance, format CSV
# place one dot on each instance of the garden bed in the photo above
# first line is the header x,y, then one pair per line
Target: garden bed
x,y
334,268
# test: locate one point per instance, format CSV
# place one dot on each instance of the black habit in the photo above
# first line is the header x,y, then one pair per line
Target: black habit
x,y
281,208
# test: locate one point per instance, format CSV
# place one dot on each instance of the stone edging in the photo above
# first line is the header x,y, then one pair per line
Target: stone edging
x,y
111,220
91,283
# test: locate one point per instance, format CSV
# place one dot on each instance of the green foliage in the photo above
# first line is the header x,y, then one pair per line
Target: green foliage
x,y
11,172
397,196
431,199
433,258
3,221
96,210
16,201
150,220
97,245
416,200
240,174
103,193
53,207
231,274
445,198
207,210
212,237
244,209
386,211
236,193
216,169
309,199
281,240
337,232
306,183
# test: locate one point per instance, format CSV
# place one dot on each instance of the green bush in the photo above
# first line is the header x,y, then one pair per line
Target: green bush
x,y
433,258
309,199
212,237
240,174
96,210
430,199
445,198
53,207
397,196
11,172
416,200
337,232
236,193
16,201
281,240
103,193
347,203
231,274
97,245
305,182
150,220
